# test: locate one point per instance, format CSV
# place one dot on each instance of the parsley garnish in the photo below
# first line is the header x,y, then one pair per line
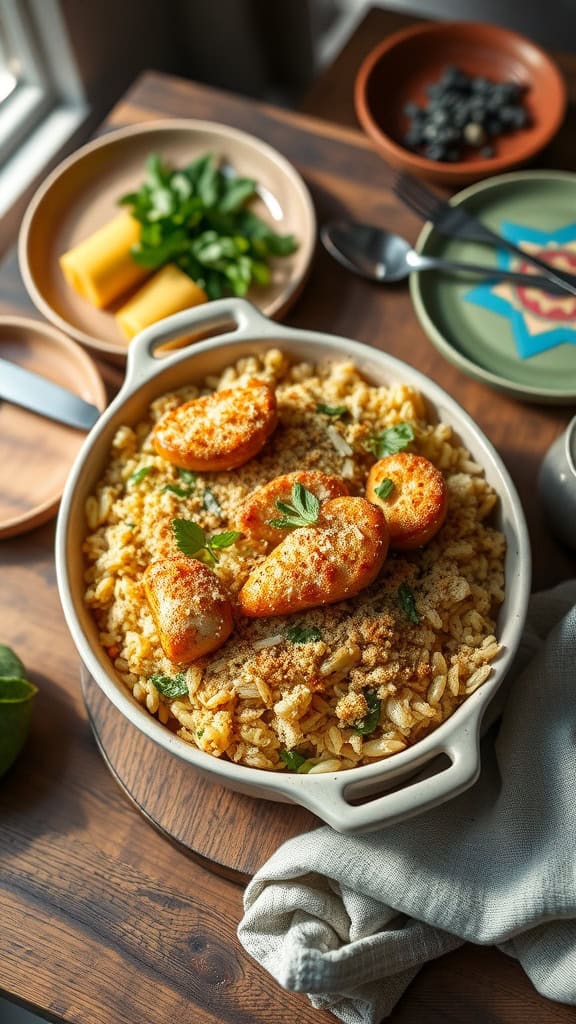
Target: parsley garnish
x,y
303,634
139,475
210,502
391,440
171,686
296,761
407,603
332,410
303,511
384,490
188,484
190,539
364,726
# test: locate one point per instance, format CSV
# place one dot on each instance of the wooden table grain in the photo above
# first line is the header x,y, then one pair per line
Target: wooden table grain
x,y
102,920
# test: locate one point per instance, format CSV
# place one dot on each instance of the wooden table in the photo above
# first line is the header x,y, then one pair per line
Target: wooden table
x,y
102,920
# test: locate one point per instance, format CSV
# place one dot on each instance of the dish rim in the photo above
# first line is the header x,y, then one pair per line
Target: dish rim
x,y
322,793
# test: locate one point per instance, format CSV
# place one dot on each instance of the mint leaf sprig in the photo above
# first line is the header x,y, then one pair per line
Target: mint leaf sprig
x,y
385,489
191,539
302,511
331,410
295,761
391,440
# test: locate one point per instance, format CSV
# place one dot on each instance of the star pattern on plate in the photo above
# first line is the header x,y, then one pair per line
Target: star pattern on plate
x,y
539,320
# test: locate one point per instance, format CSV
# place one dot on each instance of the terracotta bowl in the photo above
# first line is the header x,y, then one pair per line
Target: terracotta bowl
x,y
398,70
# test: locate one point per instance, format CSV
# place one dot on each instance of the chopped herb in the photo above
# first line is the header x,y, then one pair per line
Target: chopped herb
x,y
407,603
332,410
190,539
296,761
391,440
384,490
171,686
189,480
10,665
364,726
199,733
130,525
303,511
139,475
210,502
303,634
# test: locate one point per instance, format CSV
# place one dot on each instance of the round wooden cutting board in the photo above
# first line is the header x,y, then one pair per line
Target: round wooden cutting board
x,y
228,833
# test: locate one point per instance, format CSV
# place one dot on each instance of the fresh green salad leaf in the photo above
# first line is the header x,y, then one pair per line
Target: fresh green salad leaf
x,y
392,440
384,490
303,511
191,539
303,634
197,218
407,603
296,761
170,686
364,726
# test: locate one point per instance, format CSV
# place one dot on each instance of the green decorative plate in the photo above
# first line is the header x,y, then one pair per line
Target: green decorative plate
x,y
519,340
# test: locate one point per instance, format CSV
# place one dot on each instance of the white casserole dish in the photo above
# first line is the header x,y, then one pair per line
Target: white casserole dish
x,y
332,797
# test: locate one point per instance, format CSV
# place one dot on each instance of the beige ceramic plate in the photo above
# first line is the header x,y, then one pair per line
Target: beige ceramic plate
x,y
36,453
82,193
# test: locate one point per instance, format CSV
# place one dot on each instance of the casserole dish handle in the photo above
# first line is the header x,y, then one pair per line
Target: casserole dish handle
x,y
242,318
330,802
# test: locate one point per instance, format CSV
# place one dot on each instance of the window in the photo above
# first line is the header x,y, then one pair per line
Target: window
x,y
41,97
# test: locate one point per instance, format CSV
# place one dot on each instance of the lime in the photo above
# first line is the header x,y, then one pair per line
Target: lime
x,y
10,665
16,696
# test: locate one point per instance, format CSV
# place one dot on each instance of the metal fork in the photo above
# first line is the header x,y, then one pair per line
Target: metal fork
x,y
456,222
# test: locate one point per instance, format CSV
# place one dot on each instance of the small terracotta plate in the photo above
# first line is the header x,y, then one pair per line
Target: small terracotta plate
x,y
82,194
36,453
517,339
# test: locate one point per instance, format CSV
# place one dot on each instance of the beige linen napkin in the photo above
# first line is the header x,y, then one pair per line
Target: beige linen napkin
x,y
351,919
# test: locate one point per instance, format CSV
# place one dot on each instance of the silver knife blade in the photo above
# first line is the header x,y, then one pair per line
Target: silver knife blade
x,y
31,391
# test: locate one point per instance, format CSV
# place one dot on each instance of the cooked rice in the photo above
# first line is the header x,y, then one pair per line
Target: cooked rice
x,y
261,694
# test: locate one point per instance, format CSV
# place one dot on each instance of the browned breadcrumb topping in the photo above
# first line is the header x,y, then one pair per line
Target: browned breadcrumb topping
x,y
300,682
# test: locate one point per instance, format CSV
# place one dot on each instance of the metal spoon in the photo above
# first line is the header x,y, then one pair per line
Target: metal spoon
x,y
379,255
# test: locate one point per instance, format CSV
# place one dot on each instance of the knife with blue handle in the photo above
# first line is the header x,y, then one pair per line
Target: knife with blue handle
x,y
31,391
